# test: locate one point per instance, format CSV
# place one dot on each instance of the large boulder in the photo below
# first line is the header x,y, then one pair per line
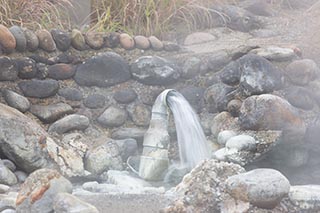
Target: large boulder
x,y
104,70
269,112
261,187
21,140
154,70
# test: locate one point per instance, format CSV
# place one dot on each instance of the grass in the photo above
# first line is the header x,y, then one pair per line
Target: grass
x,y
144,17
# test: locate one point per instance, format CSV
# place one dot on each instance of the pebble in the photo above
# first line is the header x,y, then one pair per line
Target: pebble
x,y
95,101
112,40
7,40
301,72
224,136
6,175
241,143
62,39
95,40
125,96
124,133
126,41
32,40
8,69
27,68
77,40
21,41
39,88
140,114
155,43
52,112
71,94
61,71
46,41
127,147
142,42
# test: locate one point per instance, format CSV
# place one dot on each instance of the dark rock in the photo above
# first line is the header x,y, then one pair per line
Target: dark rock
x,y
8,69
32,40
301,72
41,59
39,190
64,202
126,41
140,114
124,133
95,40
46,41
155,43
216,61
218,96
21,140
263,188
191,68
170,46
258,75
194,95
112,40
103,70
7,40
299,97
69,123
77,40
113,117
142,42
269,112
67,58
71,94
231,73
21,41
62,39
27,68
16,101
95,101
234,107
51,113
42,71
39,88
125,96
154,70
61,71
127,147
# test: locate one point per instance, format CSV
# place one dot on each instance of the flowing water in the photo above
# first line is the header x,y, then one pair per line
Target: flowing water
x,y
193,146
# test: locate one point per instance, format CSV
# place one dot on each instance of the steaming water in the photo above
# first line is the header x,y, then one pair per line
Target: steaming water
x,y
193,146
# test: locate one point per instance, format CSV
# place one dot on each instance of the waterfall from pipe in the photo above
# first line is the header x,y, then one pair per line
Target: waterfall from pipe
x,y
193,146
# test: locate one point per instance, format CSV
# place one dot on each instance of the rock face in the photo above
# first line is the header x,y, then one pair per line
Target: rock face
x,y
39,190
39,88
21,140
154,70
103,70
64,202
268,112
263,188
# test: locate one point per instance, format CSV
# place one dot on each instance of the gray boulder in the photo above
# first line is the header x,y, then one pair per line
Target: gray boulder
x,y
69,123
51,113
154,70
113,117
16,100
104,70
20,140
263,188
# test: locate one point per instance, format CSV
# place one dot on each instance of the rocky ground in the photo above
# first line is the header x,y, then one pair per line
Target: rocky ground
x,y
69,122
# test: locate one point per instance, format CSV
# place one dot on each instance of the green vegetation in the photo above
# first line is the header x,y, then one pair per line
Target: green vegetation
x,y
145,17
